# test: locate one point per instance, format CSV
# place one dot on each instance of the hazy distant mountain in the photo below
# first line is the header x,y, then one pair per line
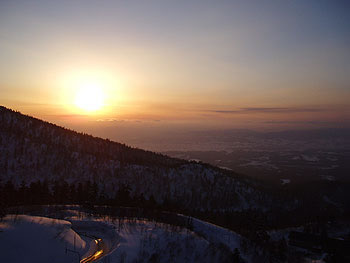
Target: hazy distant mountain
x,y
301,134
325,133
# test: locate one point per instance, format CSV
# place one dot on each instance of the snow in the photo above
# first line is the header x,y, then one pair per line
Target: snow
x,y
225,168
309,158
332,159
330,167
141,239
285,181
278,234
328,177
147,240
41,150
42,239
216,234
153,241
260,163
39,239
92,229
329,201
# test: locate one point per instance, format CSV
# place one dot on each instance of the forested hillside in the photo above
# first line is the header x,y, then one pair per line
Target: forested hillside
x,y
41,163
59,165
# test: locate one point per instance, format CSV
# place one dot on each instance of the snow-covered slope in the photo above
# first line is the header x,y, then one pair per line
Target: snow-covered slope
x,y
33,150
38,239
142,240
145,241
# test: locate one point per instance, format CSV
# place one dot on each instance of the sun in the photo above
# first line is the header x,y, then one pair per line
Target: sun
x,y
90,98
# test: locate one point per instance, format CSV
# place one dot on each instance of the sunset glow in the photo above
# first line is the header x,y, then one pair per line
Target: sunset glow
x,y
212,66
90,98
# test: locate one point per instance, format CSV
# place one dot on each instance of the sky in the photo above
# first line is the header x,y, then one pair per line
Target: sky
x,y
194,64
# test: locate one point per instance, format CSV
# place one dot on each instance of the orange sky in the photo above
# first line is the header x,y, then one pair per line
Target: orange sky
x,y
229,64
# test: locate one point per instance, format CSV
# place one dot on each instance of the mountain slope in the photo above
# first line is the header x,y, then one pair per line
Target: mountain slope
x,y
62,160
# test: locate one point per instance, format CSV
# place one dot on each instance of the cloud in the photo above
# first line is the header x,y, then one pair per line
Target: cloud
x,y
119,120
266,110
224,111
109,120
69,115
300,122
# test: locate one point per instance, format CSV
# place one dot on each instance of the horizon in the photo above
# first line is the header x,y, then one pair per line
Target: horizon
x,y
175,139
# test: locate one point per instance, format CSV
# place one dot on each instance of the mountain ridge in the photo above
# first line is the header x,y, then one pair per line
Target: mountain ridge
x,y
44,164
34,150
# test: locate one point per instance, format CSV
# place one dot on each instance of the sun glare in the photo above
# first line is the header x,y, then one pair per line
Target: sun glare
x,y
90,98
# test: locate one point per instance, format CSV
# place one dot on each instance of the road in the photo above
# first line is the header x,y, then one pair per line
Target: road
x,y
97,255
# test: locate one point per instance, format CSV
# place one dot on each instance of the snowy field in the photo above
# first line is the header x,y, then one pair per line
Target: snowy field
x,y
144,241
150,241
39,239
